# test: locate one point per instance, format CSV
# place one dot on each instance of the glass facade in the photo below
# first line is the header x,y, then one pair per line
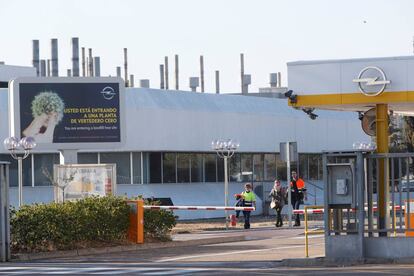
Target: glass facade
x,y
171,167
123,165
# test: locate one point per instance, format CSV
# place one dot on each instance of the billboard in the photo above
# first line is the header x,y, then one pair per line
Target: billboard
x,y
77,181
67,113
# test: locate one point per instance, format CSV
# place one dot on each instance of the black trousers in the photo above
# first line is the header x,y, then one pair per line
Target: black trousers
x,y
296,204
246,215
279,221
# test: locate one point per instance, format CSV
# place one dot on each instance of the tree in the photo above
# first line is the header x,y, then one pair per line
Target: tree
x,y
61,182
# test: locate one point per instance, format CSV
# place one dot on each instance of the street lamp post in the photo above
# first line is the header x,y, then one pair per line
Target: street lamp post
x,y
13,145
225,149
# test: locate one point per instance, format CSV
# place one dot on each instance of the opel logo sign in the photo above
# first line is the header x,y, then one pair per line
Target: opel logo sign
x,y
371,81
108,93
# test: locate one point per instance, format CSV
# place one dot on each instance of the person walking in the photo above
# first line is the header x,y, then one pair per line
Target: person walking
x,y
249,200
278,195
298,194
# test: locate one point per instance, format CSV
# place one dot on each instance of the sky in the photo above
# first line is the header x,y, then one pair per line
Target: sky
x,y
270,33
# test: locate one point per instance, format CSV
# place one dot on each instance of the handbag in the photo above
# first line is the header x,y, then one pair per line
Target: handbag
x,y
273,205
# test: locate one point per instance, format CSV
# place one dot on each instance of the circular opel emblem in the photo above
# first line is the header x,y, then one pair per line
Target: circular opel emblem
x,y
371,81
108,93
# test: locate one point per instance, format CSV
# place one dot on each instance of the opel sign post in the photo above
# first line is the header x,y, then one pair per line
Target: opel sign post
x,y
371,81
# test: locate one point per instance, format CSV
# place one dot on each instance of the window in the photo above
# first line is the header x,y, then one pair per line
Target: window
x,y
234,168
314,160
210,167
196,167
155,167
183,167
270,167
123,165
281,168
43,163
136,168
246,167
303,166
13,170
168,168
88,158
258,167
220,169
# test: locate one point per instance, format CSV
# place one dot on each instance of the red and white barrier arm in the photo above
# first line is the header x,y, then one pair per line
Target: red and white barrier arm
x,y
321,211
194,208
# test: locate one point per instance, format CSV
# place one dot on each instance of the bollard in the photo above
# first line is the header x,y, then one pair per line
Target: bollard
x,y
140,222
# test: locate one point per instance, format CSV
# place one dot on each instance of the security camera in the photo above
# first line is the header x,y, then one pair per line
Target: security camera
x,y
310,113
293,98
313,116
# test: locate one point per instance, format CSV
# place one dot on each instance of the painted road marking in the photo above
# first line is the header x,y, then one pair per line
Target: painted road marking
x,y
230,253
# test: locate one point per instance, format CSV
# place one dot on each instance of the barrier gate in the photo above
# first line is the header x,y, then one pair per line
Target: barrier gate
x,y
4,213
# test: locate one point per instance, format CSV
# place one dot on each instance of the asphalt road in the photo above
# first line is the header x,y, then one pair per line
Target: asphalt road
x,y
259,255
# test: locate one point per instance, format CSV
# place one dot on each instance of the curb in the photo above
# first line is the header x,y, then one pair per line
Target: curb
x,y
122,248
323,262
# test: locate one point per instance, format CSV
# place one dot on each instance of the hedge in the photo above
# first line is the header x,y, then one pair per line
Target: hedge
x,y
44,227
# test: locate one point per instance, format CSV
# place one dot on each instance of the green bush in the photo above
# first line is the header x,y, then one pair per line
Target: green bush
x,y
43,227
50,226
158,223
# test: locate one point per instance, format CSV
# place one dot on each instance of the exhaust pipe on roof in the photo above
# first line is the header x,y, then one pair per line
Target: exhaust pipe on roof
x,y
131,81
35,60
43,68
75,56
176,73
217,82
202,73
273,80
90,63
166,72
83,62
97,64
118,71
242,72
126,67
54,58
161,76
144,83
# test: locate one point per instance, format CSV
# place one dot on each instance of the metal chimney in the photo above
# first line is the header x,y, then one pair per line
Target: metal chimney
x,y
166,73
202,73
177,86
69,73
242,72
217,82
90,63
83,62
35,60
279,79
131,81
126,67
161,76
118,71
54,59
97,63
43,68
144,83
48,67
247,80
273,79
75,56
194,83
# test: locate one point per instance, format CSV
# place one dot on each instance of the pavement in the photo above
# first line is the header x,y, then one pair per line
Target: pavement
x,y
260,253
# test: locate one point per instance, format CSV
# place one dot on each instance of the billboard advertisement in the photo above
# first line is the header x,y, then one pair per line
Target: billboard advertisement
x,y
67,113
77,181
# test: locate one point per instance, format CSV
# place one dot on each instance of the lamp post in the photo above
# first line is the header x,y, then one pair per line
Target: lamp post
x,y
225,149
13,145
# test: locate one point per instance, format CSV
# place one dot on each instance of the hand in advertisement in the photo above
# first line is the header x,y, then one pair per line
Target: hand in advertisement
x,y
42,127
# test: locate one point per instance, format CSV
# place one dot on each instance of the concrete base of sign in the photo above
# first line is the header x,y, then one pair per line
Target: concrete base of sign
x,y
344,247
389,247
68,157
350,248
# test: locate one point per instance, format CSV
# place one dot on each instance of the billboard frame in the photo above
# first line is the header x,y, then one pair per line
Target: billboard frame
x,y
14,110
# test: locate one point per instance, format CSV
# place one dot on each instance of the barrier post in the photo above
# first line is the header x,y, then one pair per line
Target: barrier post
x,y
306,233
140,221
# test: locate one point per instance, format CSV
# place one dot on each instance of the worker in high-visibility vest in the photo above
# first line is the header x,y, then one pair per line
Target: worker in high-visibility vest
x,y
249,200
298,194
